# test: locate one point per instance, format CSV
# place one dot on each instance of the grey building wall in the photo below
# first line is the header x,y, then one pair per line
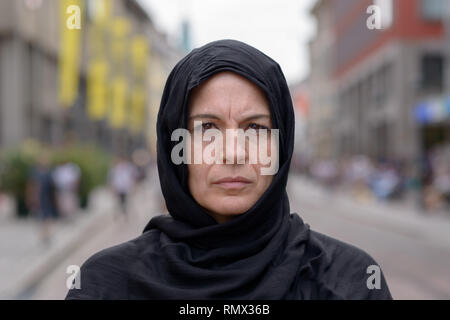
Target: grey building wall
x,y
377,99
367,108
29,47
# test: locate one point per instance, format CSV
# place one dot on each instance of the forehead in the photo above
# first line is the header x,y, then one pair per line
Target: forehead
x,y
228,92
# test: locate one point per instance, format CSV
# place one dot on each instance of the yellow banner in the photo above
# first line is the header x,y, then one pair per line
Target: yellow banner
x,y
137,110
117,117
121,28
99,67
97,89
139,61
140,55
70,50
120,83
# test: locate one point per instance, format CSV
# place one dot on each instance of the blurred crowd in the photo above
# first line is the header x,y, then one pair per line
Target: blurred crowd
x,y
427,181
53,191
124,175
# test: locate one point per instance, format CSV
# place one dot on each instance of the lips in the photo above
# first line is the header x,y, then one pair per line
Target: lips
x,y
232,182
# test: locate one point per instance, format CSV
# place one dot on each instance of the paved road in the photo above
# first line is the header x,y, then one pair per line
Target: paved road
x,y
24,257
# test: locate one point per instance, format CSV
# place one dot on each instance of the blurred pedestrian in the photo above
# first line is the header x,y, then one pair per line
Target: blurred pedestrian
x,y
385,181
67,179
326,171
360,171
122,178
43,196
141,162
440,181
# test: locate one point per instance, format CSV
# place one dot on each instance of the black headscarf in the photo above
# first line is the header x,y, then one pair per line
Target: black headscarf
x,y
269,214
264,253
257,254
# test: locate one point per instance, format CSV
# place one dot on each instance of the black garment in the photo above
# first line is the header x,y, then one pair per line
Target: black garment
x,y
43,178
123,200
265,253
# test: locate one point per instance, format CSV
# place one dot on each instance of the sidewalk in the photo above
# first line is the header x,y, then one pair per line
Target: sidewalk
x,y
24,259
144,204
401,217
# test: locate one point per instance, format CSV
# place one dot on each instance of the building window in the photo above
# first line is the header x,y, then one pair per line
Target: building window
x,y
382,136
378,89
345,103
30,91
384,84
388,76
46,129
432,73
433,10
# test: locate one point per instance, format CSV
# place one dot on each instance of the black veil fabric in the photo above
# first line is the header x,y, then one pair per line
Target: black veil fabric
x,y
266,216
238,256
264,253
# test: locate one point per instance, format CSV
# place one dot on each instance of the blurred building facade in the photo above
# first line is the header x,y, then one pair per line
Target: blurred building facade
x,y
300,92
119,56
321,86
380,92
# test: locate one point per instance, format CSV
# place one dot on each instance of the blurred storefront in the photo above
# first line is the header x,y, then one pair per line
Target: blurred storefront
x,y
321,87
302,150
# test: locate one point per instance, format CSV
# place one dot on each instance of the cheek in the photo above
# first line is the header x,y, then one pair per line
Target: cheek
x,y
198,183
272,140
263,181
266,155
197,177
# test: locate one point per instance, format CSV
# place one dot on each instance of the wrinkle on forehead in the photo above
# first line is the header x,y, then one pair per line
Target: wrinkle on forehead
x,y
228,94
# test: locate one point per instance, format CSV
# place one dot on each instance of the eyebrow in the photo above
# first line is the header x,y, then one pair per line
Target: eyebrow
x,y
212,116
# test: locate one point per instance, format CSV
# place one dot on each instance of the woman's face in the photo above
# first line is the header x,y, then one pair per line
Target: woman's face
x,y
228,101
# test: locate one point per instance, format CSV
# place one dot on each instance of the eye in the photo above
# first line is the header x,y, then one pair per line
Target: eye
x,y
256,126
207,126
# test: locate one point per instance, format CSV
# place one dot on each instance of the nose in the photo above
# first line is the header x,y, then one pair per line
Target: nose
x,y
235,151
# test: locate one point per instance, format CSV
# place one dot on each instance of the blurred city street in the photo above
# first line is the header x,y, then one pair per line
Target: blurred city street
x,y
413,250
80,95
25,258
116,228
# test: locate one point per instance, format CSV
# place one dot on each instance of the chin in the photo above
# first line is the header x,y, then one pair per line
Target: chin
x,y
232,206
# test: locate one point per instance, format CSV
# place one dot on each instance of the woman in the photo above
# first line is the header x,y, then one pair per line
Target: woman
x,y
230,233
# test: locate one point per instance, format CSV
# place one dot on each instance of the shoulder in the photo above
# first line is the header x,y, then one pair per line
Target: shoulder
x,y
106,274
348,270
340,251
